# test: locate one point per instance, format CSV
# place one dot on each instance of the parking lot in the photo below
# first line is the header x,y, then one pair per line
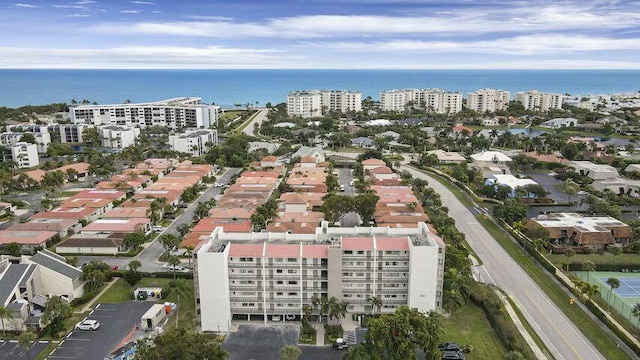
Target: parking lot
x,y
11,350
260,342
117,322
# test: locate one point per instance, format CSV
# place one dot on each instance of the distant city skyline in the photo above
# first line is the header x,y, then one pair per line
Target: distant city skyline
x,y
282,34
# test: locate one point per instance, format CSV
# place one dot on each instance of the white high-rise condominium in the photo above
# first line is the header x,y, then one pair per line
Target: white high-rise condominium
x,y
24,154
264,276
540,101
314,103
488,100
440,101
172,113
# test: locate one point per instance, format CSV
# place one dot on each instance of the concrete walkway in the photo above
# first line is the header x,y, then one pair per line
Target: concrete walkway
x,y
319,333
523,331
95,298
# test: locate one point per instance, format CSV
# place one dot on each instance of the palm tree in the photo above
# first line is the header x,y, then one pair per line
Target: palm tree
x,y
636,312
569,253
613,284
591,290
453,300
134,265
4,313
25,340
376,304
174,261
202,209
588,266
183,229
307,310
357,352
316,304
188,251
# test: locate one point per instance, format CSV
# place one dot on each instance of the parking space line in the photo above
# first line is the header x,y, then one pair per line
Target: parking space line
x,y
78,340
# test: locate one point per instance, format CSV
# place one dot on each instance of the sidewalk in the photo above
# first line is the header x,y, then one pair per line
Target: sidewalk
x,y
95,298
523,331
320,333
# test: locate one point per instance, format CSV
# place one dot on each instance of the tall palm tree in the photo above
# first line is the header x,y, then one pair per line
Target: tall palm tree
x,y
25,340
376,304
588,266
188,251
4,313
134,265
569,253
174,261
613,284
453,300
636,312
307,310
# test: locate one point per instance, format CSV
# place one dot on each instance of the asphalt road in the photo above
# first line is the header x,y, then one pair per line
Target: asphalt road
x,y
258,119
259,342
11,350
345,177
148,257
560,335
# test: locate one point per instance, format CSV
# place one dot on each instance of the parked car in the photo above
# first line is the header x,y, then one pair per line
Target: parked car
x,y
157,228
341,187
114,267
218,184
276,318
183,205
351,183
449,346
179,269
452,355
340,344
88,325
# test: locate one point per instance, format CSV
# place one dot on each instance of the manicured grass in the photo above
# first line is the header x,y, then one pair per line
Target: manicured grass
x,y
530,330
230,115
589,328
469,326
121,291
560,260
459,193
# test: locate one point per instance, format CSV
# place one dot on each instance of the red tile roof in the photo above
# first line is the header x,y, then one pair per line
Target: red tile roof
x,y
282,251
269,174
392,243
373,162
100,194
315,251
65,213
357,243
249,250
26,237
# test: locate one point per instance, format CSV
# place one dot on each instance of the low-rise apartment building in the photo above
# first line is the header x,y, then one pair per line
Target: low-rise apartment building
x,y
118,136
256,276
569,229
40,134
194,142
24,154
173,113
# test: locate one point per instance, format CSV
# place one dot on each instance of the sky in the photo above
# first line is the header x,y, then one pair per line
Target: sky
x,y
328,34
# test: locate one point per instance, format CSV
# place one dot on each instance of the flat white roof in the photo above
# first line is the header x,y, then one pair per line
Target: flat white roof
x,y
512,181
601,168
489,156
585,223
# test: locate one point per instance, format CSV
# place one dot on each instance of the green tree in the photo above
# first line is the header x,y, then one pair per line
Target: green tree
x,y
179,344
335,206
365,205
56,311
28,138
290,352
510,211
53,180
25,340
202,210
134,265
376,304
71,174
169,241
569,253
515,355
4,313
134,240
613,284
174,261
397,336
95,273
332,182
357,352
183,229
12,249
636,312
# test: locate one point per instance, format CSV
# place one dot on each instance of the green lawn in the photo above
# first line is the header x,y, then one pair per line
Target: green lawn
x,y
469,326
121,291
44,353
230,115
560,260
590,329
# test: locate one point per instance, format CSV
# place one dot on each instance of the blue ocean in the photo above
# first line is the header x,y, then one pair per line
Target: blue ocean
x,y
228,87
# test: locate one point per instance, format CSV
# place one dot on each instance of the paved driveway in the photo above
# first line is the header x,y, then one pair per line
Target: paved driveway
x,y
11,350
260,342
345,178
117,323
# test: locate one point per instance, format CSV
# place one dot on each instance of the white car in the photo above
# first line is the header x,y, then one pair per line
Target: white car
x,y
218,184
275,318
179,269
88,325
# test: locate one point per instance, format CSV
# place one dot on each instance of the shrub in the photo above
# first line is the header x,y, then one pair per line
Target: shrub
x,y
83,299
132,277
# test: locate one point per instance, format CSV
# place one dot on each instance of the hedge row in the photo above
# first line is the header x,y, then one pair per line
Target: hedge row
x,y
579,266
530,248
163,275
597,312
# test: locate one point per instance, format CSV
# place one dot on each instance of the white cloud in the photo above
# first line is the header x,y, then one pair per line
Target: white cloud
x,y
63,6
143,2
78,15
545,44
462,23
28,6
130,11
85,2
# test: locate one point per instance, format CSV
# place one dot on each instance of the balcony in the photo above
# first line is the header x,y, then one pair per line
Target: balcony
x,y
245,288
240,275
245,264
246,310
234,298
283,277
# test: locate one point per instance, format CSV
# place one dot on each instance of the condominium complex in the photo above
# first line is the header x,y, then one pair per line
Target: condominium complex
x,y
535,100
488,100
194,142
315,103
440,101
256,276
70,133
118,137
172,113
24,154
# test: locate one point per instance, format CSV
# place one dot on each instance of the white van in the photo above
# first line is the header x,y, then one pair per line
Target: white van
x,y
341,187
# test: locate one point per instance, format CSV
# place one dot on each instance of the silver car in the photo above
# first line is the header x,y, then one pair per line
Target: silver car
x,y
88,325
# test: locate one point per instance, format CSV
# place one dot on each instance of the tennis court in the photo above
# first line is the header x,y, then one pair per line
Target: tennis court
x,y
629,287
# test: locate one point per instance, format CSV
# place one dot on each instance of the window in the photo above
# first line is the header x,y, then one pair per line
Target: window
x,y
360,274
293,294
348,252
293,282
346,274
279,282
279,271
359,263
279,293
292,271
360,252
246,282
292,260
278,259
